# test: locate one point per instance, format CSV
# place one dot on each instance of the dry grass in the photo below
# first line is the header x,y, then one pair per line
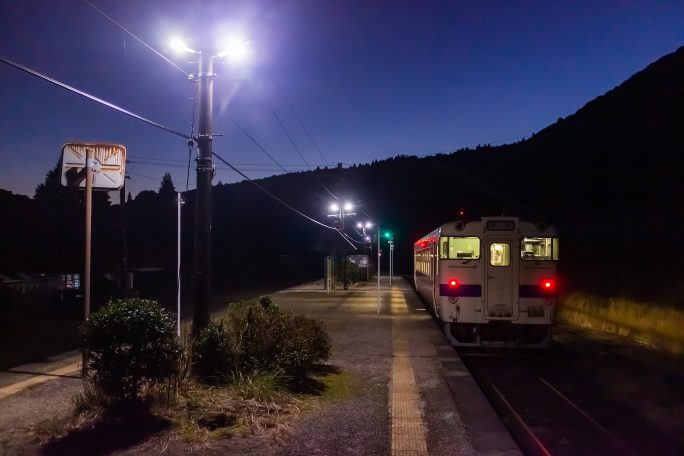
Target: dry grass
x,y
197,417
651,324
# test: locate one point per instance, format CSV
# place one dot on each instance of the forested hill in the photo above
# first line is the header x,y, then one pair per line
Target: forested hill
x,y
609,176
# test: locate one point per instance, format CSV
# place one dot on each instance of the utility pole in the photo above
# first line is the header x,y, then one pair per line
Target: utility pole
x,y
205,173
124,245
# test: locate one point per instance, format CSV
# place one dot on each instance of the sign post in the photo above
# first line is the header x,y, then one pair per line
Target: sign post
x,y
179,202
92,166
88,231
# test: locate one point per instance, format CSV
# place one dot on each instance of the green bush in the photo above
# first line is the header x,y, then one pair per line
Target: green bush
x,y
213,352
257,336
130,343
305,342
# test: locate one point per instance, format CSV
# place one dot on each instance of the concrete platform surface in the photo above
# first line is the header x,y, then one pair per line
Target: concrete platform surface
x,y
413,396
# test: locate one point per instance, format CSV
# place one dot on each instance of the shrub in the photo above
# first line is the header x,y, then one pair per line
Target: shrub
x,y
213,352
256,336
277,341
130,343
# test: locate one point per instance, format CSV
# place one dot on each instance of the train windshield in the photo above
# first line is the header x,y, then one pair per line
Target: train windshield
x,y
539,248
459,248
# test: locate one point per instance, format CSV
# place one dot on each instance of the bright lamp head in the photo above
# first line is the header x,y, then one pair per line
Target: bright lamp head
x,y
334,207
179,46
348,207
235,49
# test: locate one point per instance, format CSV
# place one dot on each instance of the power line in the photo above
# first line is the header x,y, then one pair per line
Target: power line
x,y
282,126
258,145
182,166
176,160
91,97
301,123
140,40
271,194
295,145
142,175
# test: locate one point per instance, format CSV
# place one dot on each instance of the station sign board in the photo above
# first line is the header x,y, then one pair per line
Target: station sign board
x,y
360,261
108,164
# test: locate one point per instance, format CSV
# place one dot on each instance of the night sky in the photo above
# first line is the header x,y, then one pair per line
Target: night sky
x,y
368,79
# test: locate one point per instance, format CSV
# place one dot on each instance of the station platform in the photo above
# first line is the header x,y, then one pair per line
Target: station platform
x,y
411,396
416,398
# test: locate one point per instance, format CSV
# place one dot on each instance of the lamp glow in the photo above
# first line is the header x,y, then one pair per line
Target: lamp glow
x,y
235,49
334,207
348,207
179,46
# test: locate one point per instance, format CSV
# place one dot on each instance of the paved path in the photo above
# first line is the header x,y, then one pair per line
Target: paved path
x,y
404,406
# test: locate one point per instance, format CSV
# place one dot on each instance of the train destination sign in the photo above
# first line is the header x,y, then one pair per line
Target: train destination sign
x,y
108,164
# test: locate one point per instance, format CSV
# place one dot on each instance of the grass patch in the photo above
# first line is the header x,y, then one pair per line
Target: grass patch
x,y
647,323
338,386
50,426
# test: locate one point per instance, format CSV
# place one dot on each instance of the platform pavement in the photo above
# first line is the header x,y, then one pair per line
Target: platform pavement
x,y
416,397
422,399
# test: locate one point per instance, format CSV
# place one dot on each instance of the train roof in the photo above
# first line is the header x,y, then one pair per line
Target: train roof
x,y
490,225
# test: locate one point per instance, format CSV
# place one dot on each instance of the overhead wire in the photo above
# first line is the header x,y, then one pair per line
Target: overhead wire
x,y
287,133
90,97
301,123
134,36
269,193
254,167
258,145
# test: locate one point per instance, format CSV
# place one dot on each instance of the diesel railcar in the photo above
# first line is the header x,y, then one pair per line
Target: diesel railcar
x,y
491,281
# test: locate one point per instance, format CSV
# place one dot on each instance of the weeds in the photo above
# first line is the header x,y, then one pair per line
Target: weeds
x,y
260,386
650,324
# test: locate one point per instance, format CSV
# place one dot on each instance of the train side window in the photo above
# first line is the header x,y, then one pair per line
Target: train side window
x,y
459,248
539,248
500,254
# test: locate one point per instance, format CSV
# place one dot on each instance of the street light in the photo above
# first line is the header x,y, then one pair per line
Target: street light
x,y
235,50
341,211
366,238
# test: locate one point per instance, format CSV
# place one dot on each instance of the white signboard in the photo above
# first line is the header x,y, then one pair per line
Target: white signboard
x,y
108,164
359,260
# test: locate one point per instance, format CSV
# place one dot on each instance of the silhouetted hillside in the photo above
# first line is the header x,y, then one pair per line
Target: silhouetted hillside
x,y
609,176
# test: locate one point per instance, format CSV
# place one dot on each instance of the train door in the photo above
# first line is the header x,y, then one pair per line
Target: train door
x,y
500,281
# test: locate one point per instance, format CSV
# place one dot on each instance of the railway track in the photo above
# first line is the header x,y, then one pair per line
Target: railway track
x,y
542,419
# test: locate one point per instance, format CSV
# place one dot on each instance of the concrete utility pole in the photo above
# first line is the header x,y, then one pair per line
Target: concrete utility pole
x,y
124,245
205,173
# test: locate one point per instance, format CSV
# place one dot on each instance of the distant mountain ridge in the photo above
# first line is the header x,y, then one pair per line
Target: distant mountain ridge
x,y
609,176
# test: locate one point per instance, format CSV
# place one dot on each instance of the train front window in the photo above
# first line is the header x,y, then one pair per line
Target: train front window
x,y
459,248
500,254
539,248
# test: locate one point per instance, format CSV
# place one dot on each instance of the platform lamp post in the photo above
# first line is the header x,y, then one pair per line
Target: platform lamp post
x,y
340,211
366,238
236,50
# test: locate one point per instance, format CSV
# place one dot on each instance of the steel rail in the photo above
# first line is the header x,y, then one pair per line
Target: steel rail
x,y
521,432
588,417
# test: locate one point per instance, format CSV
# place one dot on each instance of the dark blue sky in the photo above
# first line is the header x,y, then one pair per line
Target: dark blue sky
x,y
369,79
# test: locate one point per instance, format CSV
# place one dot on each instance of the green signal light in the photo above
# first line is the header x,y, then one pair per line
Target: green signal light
x,y
388,235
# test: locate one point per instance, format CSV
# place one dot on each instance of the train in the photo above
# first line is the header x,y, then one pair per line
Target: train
x,y
490,282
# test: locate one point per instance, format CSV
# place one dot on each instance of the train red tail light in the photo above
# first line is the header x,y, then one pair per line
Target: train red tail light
x,y
548,284
453,283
